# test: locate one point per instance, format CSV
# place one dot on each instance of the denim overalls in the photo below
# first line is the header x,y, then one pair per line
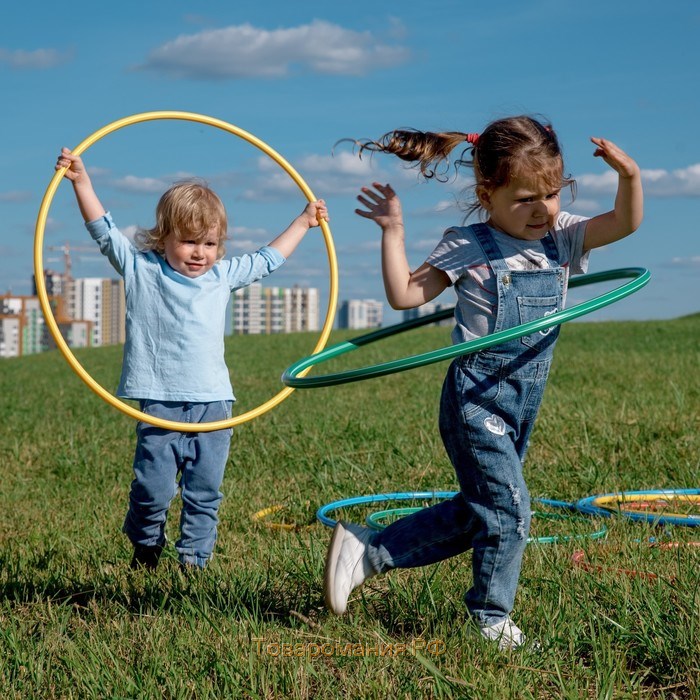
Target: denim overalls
x,y
488,406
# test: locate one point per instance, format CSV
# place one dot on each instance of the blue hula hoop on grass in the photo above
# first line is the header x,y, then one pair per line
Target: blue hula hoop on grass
x,y
322,512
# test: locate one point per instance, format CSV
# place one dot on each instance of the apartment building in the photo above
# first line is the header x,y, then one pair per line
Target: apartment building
x,y
22,327
264,310
360,313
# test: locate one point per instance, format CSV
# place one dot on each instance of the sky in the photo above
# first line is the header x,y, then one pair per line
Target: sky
x,y
303,76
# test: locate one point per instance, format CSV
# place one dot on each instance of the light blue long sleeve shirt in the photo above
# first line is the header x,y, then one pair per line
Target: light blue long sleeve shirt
x,y
175,324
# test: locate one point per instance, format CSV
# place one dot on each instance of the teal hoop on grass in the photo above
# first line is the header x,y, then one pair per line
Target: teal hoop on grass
x,y
375,521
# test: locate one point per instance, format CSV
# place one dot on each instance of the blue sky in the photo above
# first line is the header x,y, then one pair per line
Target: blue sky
x,y
301,76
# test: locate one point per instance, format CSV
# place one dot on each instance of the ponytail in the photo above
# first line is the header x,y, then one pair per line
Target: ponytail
x,y
425,148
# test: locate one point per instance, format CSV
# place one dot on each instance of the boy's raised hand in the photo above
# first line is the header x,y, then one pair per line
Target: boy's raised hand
x,y
74,164
90,206
316,211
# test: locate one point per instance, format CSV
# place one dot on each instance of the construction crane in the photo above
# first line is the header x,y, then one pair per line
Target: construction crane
x,y
66,249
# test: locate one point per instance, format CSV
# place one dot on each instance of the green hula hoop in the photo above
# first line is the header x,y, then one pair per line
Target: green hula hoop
x,y
639,277
375,521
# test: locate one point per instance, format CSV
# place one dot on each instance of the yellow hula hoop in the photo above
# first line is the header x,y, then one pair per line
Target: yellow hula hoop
x,y
48,312
619,501
261,516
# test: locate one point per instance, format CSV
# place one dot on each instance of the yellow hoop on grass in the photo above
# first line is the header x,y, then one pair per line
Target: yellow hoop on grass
x,y
48,313
633,503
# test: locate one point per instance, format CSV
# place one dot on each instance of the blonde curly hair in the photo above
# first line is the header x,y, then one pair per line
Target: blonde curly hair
x,y
189,210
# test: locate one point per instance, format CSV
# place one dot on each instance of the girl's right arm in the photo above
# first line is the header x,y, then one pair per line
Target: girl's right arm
x,y
90,206
404,289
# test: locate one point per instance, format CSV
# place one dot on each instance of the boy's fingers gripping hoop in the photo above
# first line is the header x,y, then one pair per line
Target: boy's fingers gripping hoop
x,y
46,306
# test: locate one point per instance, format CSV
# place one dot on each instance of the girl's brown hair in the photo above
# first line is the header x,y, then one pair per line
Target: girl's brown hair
x,y
189,210
507,148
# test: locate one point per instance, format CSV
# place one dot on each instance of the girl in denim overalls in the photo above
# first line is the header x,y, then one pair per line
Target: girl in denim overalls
x,y
510,270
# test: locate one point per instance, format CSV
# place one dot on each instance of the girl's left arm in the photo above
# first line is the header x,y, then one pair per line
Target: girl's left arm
x,y
627,215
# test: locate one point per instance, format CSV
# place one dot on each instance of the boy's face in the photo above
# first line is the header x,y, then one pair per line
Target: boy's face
x,y
192,258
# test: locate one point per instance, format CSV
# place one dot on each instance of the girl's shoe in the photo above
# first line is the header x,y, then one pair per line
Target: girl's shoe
x,y
506,633
347,565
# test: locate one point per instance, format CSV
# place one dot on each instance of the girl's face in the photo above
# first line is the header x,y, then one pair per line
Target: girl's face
x,y
524,208
192,258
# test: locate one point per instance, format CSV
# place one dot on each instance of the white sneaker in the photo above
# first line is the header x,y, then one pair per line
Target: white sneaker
x,y
506,633
347,565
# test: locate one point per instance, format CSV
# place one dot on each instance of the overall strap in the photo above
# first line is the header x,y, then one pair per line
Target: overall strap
x,y
550,249
491,250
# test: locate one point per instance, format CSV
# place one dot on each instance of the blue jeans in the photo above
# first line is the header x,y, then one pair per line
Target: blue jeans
x,y
487,411
198,458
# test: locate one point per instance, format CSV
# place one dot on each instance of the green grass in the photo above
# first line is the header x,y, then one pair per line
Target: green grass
x,y
621,412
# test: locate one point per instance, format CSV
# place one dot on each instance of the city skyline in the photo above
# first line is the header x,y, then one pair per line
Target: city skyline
x,y
91,312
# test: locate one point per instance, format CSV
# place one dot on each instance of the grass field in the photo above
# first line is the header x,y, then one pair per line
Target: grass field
x,y
622,411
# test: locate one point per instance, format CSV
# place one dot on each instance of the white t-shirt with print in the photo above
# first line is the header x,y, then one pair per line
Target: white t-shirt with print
x,y
460,256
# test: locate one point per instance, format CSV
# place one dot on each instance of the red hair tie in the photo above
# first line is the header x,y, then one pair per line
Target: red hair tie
x,y
472,138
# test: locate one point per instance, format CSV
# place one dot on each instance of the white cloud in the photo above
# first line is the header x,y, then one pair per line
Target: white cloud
x,y
245,51
582,206
240,245
374,246
132,183
258,232
449,207
15,196
342,174
604,183
692,261
272,187
445,205
342,164
98,173
245,238
39,59
362,246
682,182
345,165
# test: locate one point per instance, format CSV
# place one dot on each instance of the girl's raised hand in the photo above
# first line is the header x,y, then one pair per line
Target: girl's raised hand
x,y
383,205
75,166
615,157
